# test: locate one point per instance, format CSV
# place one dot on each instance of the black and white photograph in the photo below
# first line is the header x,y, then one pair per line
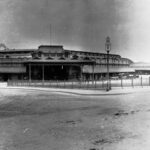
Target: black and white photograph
x,y
74,74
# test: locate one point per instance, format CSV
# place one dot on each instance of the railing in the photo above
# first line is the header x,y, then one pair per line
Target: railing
x,y
86,84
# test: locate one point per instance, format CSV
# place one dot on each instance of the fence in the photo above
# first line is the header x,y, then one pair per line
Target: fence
x,y
95,84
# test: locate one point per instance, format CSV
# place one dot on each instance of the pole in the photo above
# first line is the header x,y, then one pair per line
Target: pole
x,y
93,74
95,83
108,48
132,82
102,82
81,75
121,82
43,73
108,84
29,72
50,35
81,71
141,82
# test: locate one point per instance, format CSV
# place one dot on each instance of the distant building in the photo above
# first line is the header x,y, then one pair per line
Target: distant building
x,y
141,68
53,62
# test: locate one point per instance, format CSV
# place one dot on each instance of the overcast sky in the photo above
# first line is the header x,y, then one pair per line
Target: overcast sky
x,y
78,25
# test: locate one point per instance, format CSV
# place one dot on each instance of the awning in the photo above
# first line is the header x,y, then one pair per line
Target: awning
x,y
59,62
12,69
100,69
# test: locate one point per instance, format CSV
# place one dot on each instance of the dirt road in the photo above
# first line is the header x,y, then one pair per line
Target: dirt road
x,y
38,120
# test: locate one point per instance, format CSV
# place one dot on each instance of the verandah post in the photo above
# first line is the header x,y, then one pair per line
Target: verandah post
x,y
29,73
43,74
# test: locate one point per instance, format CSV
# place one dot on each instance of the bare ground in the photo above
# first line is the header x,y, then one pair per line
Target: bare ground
x,y
38,120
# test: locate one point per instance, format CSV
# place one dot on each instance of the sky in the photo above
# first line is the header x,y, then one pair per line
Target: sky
x,y
78,25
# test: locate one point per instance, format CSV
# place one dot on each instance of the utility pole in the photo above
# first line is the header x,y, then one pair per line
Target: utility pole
x,y
108,48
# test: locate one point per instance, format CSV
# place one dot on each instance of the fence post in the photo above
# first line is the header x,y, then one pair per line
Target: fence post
x,y
132,82
57,83
84,83
64,83
43,82
102,83
87,84
72,84
121,83
141,82
8,83
95,83
50,83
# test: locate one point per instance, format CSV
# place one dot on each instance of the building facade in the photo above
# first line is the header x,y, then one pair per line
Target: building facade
x,y
53,62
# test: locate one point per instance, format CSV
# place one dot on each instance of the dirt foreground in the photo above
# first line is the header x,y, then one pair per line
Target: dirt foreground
x,y
38,120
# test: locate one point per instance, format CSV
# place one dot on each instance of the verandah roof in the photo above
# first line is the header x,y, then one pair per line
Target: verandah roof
x,y
59,62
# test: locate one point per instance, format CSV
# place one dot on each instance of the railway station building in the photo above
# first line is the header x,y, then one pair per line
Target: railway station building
x,y
53,62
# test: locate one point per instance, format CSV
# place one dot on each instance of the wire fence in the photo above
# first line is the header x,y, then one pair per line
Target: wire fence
x,y
86,84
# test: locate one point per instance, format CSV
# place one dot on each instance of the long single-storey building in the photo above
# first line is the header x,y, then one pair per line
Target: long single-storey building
x,y
53,62
141,68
